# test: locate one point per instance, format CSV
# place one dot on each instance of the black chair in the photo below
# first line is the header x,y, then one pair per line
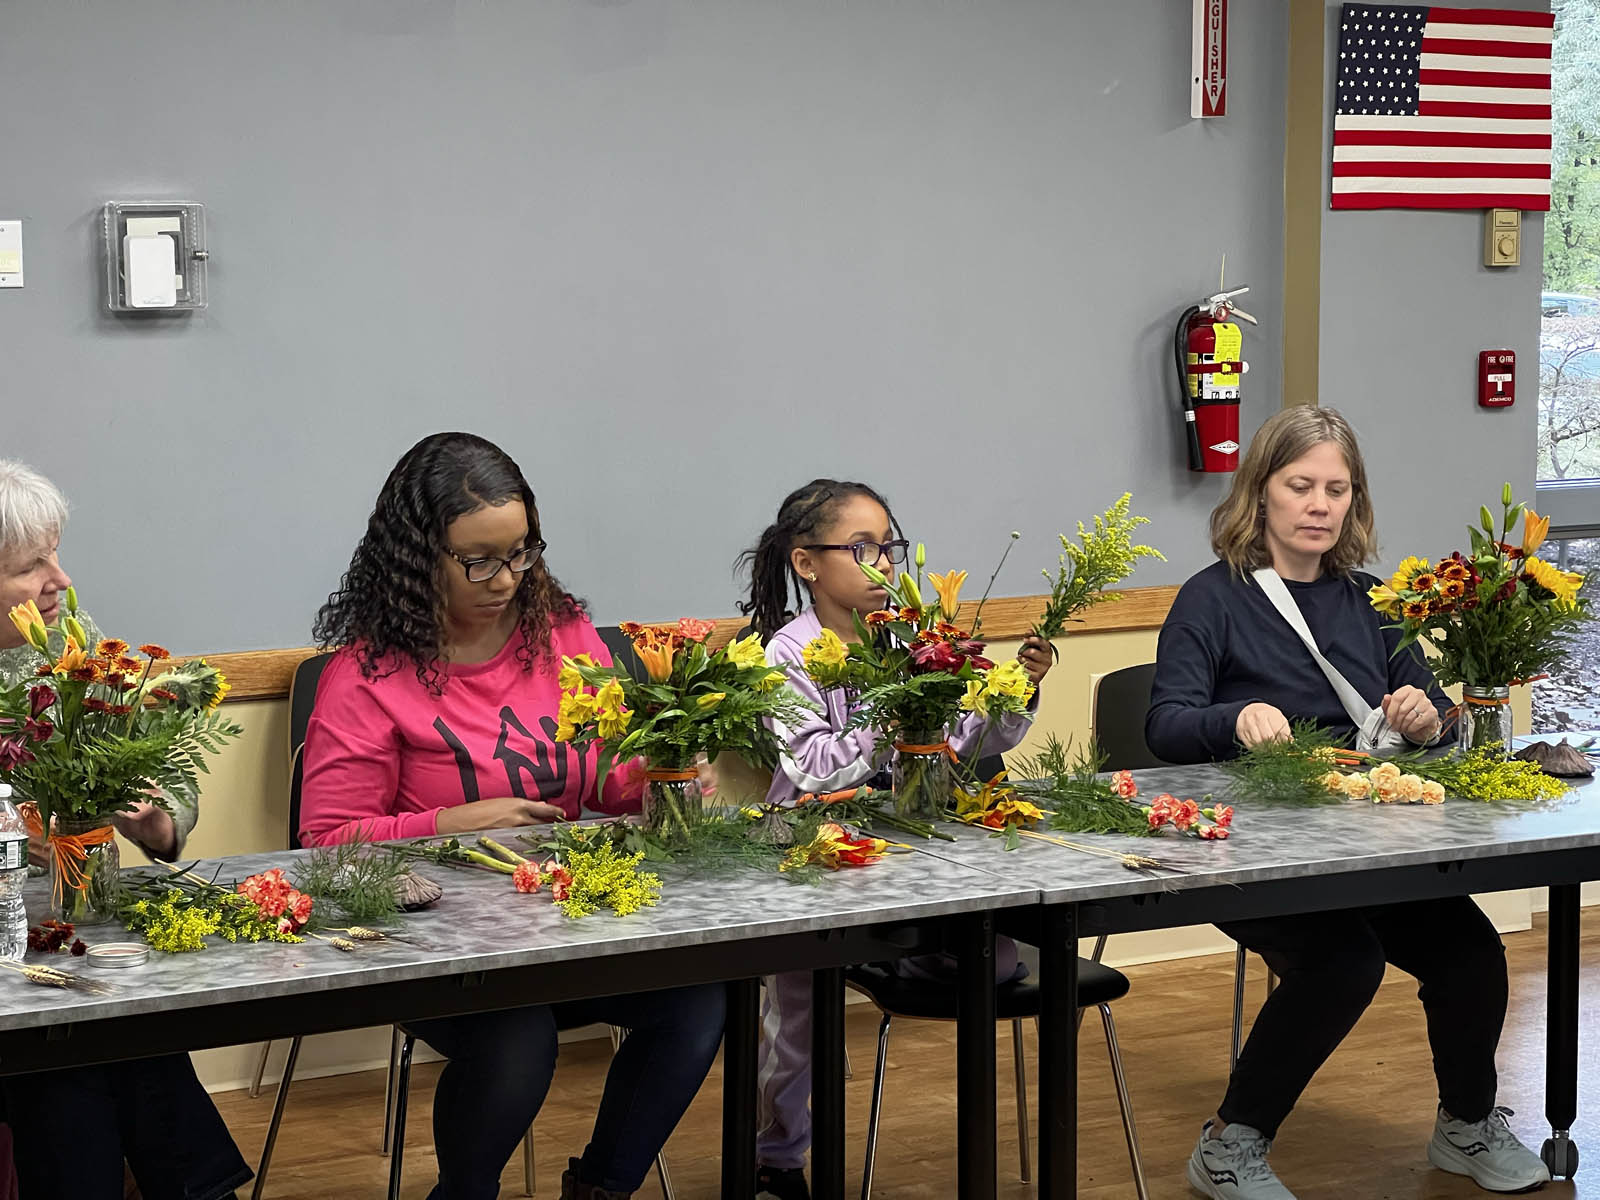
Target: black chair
x,y
1017,1001
1121,700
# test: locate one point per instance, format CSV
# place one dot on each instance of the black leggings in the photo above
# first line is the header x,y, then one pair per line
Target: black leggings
x,y
1331,964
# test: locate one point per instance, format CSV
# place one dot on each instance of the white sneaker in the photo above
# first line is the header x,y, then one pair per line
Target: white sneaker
x,y
1488,1151
1233,1166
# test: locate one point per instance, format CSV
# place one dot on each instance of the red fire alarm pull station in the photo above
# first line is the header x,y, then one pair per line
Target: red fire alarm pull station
x,y
1497,378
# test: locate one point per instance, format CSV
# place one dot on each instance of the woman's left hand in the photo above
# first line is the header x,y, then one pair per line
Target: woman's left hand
x,y
1036,658
1411,712
151,826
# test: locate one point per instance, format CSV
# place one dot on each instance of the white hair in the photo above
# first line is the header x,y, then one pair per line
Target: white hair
x,y
32,509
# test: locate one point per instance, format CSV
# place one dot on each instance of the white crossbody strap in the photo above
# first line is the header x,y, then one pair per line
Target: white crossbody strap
x,y
1373,728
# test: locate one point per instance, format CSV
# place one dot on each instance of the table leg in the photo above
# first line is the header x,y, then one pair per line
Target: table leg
x,y
1560,1152
827,1084
975,1058
739,1051
1058,1052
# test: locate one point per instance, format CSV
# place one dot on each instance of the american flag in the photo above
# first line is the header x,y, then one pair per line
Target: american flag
x,y
1442,108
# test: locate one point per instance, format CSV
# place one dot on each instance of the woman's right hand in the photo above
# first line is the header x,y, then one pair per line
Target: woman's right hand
x,y
1260,722
504,813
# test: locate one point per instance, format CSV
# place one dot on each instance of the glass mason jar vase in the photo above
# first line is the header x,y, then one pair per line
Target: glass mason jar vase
x,y
1485,718
672,800
85,871
923,776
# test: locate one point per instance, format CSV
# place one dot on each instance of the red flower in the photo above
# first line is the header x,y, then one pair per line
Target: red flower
x,y
1122,784
980,663
1214,833
150,650
297,907
526,877
560,880
164,694
695,630
121,710
939,656
1222,814
40,697
630,629
14,753
881,617
79,948
94,704
1184,814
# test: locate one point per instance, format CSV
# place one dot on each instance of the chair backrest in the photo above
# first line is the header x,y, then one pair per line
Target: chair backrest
x,y
302,699
1121,700
621,648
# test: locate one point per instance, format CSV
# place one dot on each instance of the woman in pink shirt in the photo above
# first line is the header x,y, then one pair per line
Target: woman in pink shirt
x,y
438,715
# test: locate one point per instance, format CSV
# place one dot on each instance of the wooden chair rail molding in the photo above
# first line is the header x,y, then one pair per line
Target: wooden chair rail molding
x,y
266,674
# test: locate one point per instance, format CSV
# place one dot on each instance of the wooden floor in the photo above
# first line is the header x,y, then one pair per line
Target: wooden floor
x,y
1358,1134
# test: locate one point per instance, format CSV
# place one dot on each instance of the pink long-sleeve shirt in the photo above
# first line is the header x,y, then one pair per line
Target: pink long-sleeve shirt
x,y
384,756
823,759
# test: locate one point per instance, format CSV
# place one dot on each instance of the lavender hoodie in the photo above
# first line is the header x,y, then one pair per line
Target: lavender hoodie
x,y
823,759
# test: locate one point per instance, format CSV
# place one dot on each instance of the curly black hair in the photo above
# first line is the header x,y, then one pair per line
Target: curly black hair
x,y
772,576
389,603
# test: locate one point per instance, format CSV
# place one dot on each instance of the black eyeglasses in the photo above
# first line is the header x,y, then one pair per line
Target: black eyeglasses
x,y
486,567
869,552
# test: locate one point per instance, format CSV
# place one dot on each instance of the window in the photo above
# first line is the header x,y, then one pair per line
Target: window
x,y
1569,354
1569,322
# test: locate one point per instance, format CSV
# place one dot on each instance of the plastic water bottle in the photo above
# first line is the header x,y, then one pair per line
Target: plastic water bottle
x,y
13,874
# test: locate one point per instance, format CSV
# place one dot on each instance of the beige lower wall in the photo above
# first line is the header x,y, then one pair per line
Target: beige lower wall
x,y
244,809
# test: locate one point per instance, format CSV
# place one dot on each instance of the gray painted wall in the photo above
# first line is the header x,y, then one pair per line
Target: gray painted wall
x,y
1406,305
678,256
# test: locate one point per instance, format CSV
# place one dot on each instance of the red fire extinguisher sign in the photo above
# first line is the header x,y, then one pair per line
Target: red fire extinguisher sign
x,y
1208,88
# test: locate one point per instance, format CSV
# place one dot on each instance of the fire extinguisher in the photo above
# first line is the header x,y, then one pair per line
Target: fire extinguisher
x,y
1208,349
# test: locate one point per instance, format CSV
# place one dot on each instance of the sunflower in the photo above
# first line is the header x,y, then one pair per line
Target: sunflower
x,y
1415,610
1563,585
1408,570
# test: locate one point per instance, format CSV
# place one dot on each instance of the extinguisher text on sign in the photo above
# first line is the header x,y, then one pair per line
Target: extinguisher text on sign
x,y
1208,90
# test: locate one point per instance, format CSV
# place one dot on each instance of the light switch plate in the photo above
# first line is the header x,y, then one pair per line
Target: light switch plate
x,y
10,253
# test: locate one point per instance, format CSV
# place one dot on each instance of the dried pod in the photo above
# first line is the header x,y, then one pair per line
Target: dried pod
x,y
339,943
413,891
1560,759
772,830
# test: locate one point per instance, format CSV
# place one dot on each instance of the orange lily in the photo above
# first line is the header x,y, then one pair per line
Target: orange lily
x,y
656,655
73,658
948,586
29,623
1534,530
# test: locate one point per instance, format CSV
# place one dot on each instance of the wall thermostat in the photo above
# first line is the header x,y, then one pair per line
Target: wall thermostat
x,y
155,257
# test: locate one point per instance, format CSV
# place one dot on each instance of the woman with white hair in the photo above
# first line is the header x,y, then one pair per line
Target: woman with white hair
x,y
32,513
150,1112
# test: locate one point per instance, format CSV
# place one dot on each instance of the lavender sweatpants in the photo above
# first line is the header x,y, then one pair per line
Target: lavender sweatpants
x,y
783,1096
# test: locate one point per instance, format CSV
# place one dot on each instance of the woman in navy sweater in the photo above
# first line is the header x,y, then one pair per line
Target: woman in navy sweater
x,y
1232,672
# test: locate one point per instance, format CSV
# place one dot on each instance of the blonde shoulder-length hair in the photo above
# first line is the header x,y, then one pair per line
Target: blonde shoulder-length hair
x,y
1239,524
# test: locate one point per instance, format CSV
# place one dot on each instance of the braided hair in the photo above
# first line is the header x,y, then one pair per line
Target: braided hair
x,y
390,603
803,512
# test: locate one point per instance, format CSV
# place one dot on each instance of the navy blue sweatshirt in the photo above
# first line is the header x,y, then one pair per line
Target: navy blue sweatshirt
x,y
1225,646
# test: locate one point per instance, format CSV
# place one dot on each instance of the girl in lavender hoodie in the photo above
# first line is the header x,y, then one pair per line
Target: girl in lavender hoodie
x,y
822,532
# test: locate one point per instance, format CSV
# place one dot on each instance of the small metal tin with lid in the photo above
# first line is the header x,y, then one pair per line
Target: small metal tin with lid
x,y
119,955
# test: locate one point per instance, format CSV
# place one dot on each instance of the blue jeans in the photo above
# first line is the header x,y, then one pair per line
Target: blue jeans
x,y
73,1128
500,1067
